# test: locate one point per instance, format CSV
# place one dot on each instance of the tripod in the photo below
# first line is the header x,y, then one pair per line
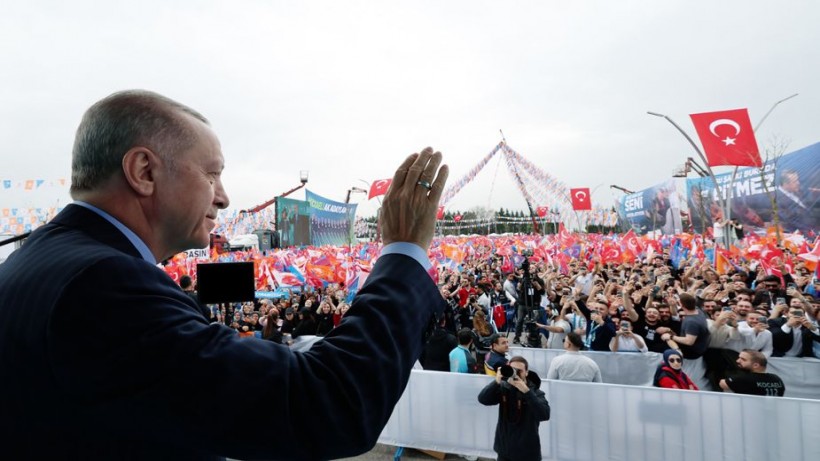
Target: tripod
x,y
527,308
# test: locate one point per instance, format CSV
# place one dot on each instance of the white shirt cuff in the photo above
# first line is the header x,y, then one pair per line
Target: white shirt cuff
x,y
409,249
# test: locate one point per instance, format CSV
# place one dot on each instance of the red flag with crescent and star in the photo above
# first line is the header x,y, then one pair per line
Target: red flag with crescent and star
x,y
580,199
727,137
379,187
440,213
542,211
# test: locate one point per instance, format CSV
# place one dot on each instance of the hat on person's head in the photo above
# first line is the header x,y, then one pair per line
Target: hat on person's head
x,y
669,353
772,278
289,311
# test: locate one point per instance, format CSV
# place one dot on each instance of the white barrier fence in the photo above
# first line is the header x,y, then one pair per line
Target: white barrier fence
x,y
801,376
440,411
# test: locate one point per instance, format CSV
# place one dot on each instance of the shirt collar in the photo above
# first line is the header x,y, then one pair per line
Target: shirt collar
x,y
129,234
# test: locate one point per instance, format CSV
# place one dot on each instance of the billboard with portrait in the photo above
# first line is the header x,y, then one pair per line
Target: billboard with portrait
x,y
292,222
792,182
655,209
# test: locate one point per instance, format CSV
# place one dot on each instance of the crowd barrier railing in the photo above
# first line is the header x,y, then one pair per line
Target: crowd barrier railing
x,y
800,375
440,411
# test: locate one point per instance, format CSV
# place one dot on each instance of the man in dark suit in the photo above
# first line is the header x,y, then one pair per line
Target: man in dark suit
x,y
793,206
103,356
793,334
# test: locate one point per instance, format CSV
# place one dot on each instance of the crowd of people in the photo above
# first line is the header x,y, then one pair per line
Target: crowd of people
x,y
698,319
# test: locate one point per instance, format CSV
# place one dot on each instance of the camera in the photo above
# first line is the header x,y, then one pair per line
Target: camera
x,y
507,372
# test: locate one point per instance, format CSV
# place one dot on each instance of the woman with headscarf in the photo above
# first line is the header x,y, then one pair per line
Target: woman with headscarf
x,y
670,373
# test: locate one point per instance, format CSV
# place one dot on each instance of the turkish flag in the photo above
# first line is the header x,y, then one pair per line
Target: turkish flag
x,y
542,211
457,218
379,187
814,255
727,137
611,255
580,199
632,242
440,212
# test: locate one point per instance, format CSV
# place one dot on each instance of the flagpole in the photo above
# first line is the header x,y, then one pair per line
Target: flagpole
x,y
720,197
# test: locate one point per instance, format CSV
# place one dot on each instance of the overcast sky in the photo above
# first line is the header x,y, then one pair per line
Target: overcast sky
x,y
346,89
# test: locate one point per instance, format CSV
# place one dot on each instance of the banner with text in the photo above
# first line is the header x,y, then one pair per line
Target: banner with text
x,y
656,209
331,223
793,183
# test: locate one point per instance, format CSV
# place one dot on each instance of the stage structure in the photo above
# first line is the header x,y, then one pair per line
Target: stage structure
x,y
546,196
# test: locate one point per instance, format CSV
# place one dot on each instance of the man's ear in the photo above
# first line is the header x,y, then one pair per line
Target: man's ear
x,y
139,166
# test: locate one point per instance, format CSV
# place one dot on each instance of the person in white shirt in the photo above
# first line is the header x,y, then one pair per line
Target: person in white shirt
x,y
558,327
719,233
757,334
571,365
627,341
483,299
510,291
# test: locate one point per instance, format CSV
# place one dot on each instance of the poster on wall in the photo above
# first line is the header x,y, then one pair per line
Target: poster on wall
x,y
293,222
652,210
792,183
331,223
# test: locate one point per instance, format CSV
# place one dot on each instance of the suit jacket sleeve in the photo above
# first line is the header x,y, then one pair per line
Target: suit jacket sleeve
x,y
138,346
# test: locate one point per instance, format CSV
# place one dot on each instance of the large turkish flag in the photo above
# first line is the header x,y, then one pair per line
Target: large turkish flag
x,y
728,138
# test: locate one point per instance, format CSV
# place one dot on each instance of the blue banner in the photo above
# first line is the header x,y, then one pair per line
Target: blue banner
x,y
792,182
656,209
331,222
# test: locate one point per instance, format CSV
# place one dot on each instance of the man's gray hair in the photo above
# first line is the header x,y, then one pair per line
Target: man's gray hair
x,y
124,120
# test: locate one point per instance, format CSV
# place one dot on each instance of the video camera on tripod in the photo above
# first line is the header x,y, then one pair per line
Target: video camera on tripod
x,y
526,298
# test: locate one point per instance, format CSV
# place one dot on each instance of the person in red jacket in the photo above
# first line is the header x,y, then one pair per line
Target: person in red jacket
x,y
670,374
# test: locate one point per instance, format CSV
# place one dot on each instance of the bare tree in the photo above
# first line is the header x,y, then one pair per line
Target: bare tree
x,y
772,153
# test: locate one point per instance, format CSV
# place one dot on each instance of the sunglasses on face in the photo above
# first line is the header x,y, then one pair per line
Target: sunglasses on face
x,y
674,360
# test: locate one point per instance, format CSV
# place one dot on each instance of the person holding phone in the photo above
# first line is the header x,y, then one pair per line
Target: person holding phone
x,y
627,341
792,335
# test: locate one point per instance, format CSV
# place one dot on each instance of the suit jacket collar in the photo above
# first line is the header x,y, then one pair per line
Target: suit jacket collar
x,y
85,220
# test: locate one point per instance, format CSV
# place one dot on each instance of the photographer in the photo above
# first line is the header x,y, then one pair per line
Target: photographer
x,y
522,407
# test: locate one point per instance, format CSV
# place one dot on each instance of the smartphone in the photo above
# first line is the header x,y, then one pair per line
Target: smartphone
x,y
780,300
727,309
797,313
624,326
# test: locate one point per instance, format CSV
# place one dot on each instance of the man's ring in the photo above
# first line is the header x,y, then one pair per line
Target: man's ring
x,y
424,184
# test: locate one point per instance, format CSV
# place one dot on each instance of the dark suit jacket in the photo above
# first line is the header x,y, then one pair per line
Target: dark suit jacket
x,y
103,356
782,342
